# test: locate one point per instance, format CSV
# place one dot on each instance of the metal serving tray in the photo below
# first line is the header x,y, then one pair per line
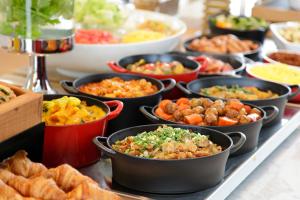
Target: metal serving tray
x,y
237,168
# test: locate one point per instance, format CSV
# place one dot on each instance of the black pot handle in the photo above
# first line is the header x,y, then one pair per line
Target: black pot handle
x,y
170,84
146,110
68,86
182,87
294,93
239,143
98,141
274,113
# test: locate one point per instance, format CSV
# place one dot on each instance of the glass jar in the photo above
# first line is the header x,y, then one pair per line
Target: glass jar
x,y
37,19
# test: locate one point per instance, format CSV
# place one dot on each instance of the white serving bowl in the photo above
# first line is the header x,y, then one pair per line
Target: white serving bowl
x,y
91,58
279,40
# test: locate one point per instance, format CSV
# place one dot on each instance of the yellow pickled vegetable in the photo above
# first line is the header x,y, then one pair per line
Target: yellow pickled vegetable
x,y
277,73
157,26
69,110
142,36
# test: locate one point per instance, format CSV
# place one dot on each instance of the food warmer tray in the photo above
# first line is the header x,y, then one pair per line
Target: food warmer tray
x,y
237,168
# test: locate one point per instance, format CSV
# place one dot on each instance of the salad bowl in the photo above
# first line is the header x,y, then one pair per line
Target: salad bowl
x,y
89,58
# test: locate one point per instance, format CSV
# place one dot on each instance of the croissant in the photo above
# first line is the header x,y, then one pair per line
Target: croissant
x,y
90,191
38,187
21,177
8,193
19,164
67,177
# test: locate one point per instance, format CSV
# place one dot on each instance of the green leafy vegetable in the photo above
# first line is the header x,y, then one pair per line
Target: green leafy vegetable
x,y
24,18
162,135
239,23
101,13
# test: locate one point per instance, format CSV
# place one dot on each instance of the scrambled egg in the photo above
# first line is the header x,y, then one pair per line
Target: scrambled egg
x,y
68,111
278,73
147,31
141,36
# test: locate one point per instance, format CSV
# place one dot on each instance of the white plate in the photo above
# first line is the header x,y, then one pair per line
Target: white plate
x,y
92,58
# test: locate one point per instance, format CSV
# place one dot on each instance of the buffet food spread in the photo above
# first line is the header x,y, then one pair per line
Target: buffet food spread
x,y
165,122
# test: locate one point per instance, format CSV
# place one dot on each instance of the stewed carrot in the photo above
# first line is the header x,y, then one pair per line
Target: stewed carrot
x,y
160,112
225,121
193,119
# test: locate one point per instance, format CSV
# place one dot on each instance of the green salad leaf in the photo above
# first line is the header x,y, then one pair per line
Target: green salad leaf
x,y
239,23
102,13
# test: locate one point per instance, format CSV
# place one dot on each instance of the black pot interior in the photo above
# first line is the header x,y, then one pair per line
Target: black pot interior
x,y
99,77
89,101
215,136
196,85
188,42
152,58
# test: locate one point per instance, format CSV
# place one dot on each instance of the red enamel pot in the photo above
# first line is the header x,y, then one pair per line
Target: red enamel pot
x,y
193,66
72,144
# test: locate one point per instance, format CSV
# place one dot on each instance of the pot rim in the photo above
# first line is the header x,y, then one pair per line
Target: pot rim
x,y
188,86
172,160
134,77
102,119
160,75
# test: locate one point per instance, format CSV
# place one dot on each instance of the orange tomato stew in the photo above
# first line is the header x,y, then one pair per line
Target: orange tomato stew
x,y
118,88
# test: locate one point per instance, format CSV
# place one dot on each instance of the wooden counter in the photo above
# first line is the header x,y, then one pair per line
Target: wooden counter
x,y
9,62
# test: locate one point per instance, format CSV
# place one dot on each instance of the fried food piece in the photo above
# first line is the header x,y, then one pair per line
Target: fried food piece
x,y
8,193
37,187
90,191
66,177
223,44
19,164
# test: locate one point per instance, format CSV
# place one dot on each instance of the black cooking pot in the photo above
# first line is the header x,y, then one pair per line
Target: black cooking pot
x,y
258,34
254,55
192,74
237,62
251,130
192,89
169,176
130,115
121,66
